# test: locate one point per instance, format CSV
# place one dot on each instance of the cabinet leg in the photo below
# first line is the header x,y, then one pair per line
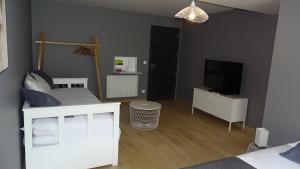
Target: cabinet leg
x,y
229,128
244,123
192,110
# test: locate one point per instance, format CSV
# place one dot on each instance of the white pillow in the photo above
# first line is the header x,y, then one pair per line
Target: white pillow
x,y
34,83
42,81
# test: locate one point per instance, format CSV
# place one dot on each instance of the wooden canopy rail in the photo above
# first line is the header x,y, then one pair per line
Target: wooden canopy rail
x,y
94,45
65,43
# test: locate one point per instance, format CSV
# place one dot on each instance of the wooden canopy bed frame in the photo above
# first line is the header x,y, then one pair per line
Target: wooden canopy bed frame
x,y
91,49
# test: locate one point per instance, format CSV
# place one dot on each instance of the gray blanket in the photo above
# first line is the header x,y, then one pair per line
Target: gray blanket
x,y
227,163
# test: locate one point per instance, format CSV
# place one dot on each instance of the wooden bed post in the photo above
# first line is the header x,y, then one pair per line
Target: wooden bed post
x,y
41,50
97,64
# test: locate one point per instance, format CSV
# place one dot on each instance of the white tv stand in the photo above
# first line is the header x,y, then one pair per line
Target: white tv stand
x,y
228,108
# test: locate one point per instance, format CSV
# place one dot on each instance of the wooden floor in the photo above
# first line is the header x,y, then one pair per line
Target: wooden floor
x,y
181,140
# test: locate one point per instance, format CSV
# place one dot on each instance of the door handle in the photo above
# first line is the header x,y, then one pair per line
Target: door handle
x,y
153,66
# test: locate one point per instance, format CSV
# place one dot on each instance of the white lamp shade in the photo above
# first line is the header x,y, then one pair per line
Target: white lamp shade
x,y
261,137
193,14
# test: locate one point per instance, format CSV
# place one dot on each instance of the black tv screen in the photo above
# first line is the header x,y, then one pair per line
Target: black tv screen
x,y
223,77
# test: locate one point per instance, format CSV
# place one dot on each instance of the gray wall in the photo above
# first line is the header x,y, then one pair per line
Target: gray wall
x,y
282,111
121,34
19,53
238,36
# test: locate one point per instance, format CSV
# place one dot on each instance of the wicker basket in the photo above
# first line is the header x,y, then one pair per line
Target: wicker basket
x,y
144,115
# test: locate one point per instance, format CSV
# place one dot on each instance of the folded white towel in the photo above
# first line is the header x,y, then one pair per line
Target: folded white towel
x,y
45,127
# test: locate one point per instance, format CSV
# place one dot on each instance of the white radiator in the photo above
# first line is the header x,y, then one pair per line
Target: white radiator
x,y
118,86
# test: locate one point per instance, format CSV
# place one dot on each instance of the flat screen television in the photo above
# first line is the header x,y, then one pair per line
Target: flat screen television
x,y
223,77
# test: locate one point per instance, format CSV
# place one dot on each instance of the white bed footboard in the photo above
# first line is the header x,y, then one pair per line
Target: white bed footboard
x,y
93,152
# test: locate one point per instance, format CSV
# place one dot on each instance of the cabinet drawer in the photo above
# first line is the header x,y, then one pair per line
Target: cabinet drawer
x,y
221,107
239,110
201,100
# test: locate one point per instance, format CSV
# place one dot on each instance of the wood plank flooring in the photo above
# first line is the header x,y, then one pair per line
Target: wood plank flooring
x,y
181,140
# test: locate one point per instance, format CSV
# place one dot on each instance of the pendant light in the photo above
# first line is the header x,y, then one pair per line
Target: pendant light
x,y
193,14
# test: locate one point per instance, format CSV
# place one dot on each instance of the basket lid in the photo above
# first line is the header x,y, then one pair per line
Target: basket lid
x,y
145,105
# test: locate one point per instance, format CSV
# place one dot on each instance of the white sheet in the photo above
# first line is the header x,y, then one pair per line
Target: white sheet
x,y
45,131
270,158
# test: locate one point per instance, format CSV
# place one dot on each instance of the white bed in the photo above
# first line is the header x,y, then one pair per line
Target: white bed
x,y
270,158
82,133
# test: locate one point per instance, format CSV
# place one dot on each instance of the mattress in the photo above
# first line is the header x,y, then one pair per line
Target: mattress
x,y
74,96
45,130
270,158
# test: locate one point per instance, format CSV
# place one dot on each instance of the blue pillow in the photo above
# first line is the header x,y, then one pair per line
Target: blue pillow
x,y
39,99
293,154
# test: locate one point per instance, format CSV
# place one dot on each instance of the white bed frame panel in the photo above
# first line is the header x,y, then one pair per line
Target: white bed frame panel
x,y
70,81
93,152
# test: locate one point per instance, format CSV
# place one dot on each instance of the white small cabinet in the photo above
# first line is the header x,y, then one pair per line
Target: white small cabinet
x,y
228,108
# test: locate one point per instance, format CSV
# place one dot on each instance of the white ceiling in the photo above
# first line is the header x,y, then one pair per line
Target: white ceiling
x,y
171,7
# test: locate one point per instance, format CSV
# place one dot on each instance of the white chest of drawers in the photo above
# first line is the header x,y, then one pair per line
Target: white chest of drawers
x,y
229,108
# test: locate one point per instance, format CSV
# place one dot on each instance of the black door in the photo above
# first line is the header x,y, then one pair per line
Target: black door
x,y
164,47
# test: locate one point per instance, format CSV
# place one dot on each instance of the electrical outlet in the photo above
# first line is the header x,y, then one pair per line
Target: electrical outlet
x,y
143,91
145,62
